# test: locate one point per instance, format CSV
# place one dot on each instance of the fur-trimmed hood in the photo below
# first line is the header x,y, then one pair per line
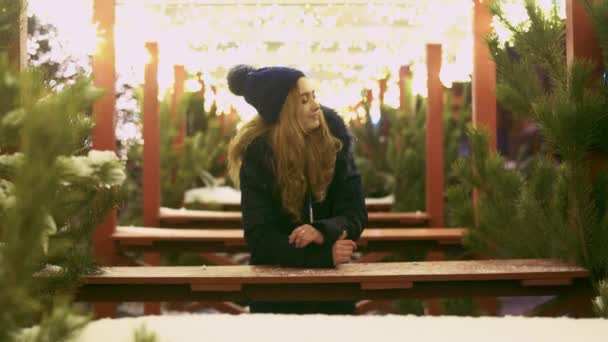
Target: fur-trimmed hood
x,y
338,127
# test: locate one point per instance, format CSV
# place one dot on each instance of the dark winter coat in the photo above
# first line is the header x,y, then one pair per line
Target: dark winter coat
x,y
267,225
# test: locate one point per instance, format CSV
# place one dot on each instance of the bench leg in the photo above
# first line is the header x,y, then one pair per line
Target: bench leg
x,y
372,257
217,259
366,306
152,308
105,310
576,303
123,259
488,306
224,307
433,307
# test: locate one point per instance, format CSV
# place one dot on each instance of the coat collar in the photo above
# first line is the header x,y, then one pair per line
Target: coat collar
x,y
337,127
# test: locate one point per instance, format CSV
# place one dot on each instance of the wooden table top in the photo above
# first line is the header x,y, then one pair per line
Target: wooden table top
x,y
427,271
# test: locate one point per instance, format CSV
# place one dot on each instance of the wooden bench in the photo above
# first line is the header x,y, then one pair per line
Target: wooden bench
x,y
147,239
183,218
376,243
371,207
429,279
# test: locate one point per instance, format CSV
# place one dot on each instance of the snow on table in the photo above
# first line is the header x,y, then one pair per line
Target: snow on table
x,y
226,195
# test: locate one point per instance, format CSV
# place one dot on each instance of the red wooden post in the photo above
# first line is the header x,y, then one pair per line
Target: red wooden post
x,y
483,97
434,137
104,77
382,90
581,40
484,73
369,97
457,99
178,93
484,78
151,156
405,91
15,41
434,153
151,135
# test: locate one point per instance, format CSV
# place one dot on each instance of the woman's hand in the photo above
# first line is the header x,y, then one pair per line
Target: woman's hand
x,y
304,235
342,250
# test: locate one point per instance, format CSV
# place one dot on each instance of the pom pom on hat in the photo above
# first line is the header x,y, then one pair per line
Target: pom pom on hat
x,y
237,78
265,89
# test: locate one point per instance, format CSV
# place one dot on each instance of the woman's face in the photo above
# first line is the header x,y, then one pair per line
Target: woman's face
x,y
309,111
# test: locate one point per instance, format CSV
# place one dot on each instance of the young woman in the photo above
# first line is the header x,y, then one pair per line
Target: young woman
x,y
302,199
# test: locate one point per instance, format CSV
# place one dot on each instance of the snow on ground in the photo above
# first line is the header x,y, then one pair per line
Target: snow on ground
x,y
306,328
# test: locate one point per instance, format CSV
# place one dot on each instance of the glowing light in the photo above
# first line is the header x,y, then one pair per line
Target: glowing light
x,y
344,45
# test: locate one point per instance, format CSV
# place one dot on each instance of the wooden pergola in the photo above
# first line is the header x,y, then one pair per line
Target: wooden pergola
x,y
581,42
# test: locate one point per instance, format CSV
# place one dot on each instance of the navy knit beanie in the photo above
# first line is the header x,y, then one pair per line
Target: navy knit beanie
x,y
265,89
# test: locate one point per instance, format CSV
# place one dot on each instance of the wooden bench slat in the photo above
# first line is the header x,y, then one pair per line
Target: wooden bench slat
x,y
393,240
146,234
469,270
233,219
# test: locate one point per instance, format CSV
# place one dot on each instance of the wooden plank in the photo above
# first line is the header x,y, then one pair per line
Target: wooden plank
x,y
326,291
371,204
208,241
428,271
232,240
409,218
384,281
182,218
235,236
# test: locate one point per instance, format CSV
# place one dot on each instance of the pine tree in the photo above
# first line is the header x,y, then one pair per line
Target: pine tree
x,y
53,192
559,210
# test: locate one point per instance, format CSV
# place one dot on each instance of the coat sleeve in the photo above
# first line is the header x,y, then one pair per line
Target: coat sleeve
x,y
262,217
348,202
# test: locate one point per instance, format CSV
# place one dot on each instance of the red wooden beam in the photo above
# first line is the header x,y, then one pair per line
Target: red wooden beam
x,y
151,156
151,135
405,78
581,40
178,93
484,73
104,77
434,138
434,153
17,40
381,91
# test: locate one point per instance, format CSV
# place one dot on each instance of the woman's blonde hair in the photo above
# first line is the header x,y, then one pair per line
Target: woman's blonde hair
x,y
302,161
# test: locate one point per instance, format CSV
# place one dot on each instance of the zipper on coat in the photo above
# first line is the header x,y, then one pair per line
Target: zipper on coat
x,y
311,216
